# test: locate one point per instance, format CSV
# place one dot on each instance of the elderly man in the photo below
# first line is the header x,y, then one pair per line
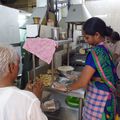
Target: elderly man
x,y
15,104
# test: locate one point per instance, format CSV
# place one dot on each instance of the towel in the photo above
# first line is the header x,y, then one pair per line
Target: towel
x,y
43,48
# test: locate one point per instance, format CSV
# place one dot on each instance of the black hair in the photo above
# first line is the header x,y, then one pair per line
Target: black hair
x,y
115,36
109,31
93,25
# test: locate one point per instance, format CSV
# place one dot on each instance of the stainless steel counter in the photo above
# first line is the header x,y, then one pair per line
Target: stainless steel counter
x,y
76,93
63,114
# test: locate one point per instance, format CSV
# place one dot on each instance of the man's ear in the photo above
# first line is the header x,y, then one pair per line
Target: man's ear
x,y
11,67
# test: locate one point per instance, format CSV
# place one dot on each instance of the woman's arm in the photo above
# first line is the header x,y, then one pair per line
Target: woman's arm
x,y
85,76
84,79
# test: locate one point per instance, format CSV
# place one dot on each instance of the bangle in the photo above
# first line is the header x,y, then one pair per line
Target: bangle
x,y
68,89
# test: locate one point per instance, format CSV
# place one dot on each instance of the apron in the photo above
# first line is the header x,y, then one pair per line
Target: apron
x,y
94,103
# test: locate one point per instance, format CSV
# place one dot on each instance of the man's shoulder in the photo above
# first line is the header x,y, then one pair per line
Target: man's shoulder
x,y
25,94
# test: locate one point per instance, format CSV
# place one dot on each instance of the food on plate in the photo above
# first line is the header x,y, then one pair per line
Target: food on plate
x,y
82,51
65,68
59,86
45,78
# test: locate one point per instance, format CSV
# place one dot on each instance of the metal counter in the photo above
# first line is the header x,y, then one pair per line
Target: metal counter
x,y
76,93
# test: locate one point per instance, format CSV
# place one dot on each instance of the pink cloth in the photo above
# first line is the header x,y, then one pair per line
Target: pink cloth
x,y
43,48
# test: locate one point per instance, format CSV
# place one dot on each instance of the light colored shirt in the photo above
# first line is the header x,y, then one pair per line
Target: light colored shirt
x,y
109,46
115,49
16,104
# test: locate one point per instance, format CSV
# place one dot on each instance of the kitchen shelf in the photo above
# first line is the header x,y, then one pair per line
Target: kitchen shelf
x,y
76,93
61,42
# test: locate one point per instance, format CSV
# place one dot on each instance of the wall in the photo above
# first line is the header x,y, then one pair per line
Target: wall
x,y
76,1
9,28
41,3
108,10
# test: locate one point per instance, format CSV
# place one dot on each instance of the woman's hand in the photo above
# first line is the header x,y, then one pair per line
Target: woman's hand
x,y
59,86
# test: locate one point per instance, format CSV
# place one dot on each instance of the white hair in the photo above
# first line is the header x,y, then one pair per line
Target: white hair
x,y
8,55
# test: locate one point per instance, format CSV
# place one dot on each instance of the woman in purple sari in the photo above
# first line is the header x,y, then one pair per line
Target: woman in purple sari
x,y
98,76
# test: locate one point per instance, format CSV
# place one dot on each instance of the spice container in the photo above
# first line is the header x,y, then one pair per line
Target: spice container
x,y
36,20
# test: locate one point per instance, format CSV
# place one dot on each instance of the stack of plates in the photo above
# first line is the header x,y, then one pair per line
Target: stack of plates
x,y
65,68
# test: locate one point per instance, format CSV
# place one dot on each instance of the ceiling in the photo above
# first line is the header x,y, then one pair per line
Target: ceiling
x,y
26,5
